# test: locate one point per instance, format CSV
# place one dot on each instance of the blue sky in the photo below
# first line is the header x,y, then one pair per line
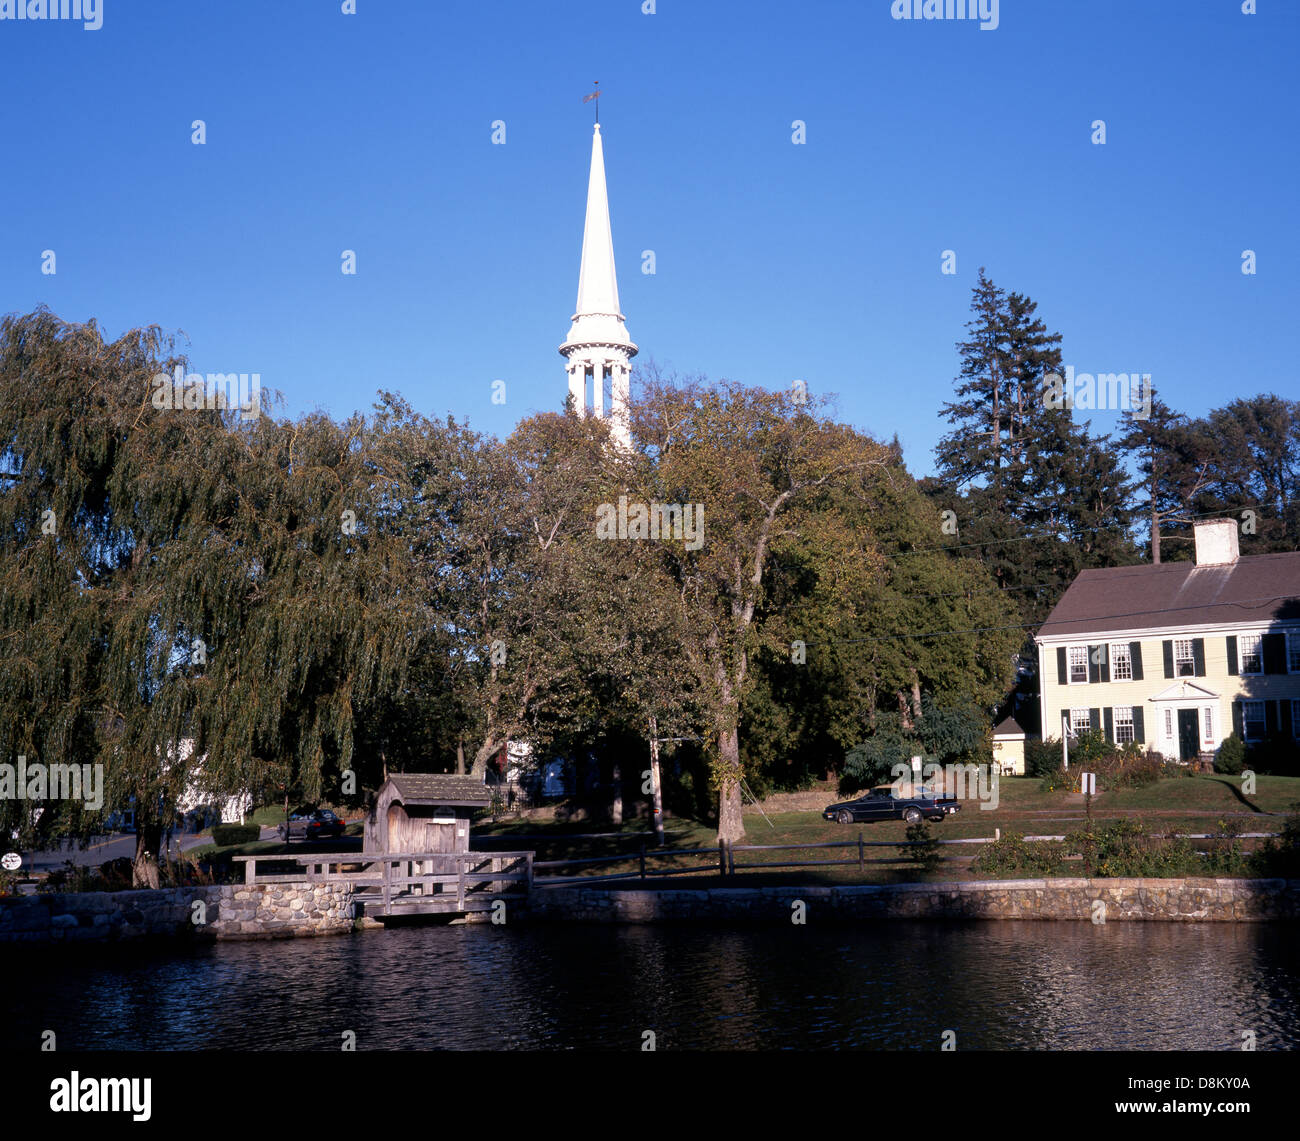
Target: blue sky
x,y
774,261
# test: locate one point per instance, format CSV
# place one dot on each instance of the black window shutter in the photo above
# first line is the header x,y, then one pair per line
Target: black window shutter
x,y
1135,652
1168,648
1139,729
1274,647
1065,724
1062,678
1238,722
1109,714
1198,657
1270,718
1105,661
1284,720
1094,718
1094,665
1232,654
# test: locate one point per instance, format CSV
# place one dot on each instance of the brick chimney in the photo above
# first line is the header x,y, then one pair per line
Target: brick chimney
x,y
1216,542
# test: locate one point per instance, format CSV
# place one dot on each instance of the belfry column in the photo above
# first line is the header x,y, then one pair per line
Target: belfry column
x,y
597,334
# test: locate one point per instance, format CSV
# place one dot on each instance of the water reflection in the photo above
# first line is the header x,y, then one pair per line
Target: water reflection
x,y
1004,985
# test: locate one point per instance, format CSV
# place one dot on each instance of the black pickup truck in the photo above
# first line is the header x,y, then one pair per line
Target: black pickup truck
x,y
886,803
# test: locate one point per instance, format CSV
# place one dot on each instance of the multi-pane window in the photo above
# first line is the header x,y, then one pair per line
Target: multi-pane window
x,y
1121,662
1169,724
1293,653
1123,724
1295,719
1207,719
1252,720
1080,720
1252,658
1078,664
1184,658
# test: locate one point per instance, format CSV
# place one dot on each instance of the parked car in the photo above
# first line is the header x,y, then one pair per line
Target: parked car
x,y
309,823
885,803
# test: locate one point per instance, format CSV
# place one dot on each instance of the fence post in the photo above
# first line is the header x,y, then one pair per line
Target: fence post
x,y
643,860
860,853
250,871
722,857
731,859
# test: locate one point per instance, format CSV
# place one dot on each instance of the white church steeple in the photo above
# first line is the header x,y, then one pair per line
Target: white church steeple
x,y
598,346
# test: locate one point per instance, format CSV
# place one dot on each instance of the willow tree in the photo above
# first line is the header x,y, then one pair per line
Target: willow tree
x,y
775,478
191,598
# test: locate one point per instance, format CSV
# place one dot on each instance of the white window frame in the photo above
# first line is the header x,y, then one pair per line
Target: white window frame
x,y
1123,719
1207,722
1069,665
1246,720
1119,652
1084,718
1293,653
1179,659
1241,653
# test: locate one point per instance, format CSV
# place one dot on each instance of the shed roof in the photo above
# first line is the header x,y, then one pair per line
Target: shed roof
x,y
1257,588
439,788
1008,727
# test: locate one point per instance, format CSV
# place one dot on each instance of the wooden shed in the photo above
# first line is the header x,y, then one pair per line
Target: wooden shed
x,y
1009,748
424,812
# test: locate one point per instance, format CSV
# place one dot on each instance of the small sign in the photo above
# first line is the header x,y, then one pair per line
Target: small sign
x,y
11,861
1089,784
916,764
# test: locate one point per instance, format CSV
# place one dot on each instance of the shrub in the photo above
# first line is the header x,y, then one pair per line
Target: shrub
x,y
1013,855
224,835
926,846
1127,848
1126,767
1277,755
1042,758
1279,856
1231,757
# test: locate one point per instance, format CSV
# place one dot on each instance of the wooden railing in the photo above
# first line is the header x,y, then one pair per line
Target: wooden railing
x,y
402,875
722,860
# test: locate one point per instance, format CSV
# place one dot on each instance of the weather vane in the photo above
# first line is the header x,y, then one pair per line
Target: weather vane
x,y
595,95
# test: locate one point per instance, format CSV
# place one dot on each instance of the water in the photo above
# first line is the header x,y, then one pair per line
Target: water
x,y
888,985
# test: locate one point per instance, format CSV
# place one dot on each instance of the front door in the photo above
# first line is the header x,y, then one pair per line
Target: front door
x,y
1188,735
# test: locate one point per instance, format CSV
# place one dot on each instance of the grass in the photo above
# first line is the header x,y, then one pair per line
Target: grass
x,y
1186,804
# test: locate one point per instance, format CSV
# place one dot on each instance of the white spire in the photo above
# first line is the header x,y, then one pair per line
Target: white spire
x,y
598,345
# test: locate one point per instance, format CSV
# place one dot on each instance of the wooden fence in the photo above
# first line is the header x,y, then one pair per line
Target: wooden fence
x,y
722,860
450,877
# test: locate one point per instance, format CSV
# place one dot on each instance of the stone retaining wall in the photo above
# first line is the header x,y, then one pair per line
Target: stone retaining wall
x,y
238,911
278,911
1178,900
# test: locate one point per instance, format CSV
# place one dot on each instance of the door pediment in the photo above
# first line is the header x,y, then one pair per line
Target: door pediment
x,y
1185,691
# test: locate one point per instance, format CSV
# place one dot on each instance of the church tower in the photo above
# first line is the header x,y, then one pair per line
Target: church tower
x,y
598,348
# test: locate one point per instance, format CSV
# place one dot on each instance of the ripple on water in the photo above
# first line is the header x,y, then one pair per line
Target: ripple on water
x,y
997,985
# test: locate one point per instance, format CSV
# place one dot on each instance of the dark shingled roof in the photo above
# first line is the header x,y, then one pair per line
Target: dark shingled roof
x,y
439,788
1007,726
1257,588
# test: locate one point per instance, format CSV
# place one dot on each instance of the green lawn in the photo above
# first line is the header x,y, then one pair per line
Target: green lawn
x,y
1187,804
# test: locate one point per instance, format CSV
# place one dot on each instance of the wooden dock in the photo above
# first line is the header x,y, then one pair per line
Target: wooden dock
x,y
388,886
